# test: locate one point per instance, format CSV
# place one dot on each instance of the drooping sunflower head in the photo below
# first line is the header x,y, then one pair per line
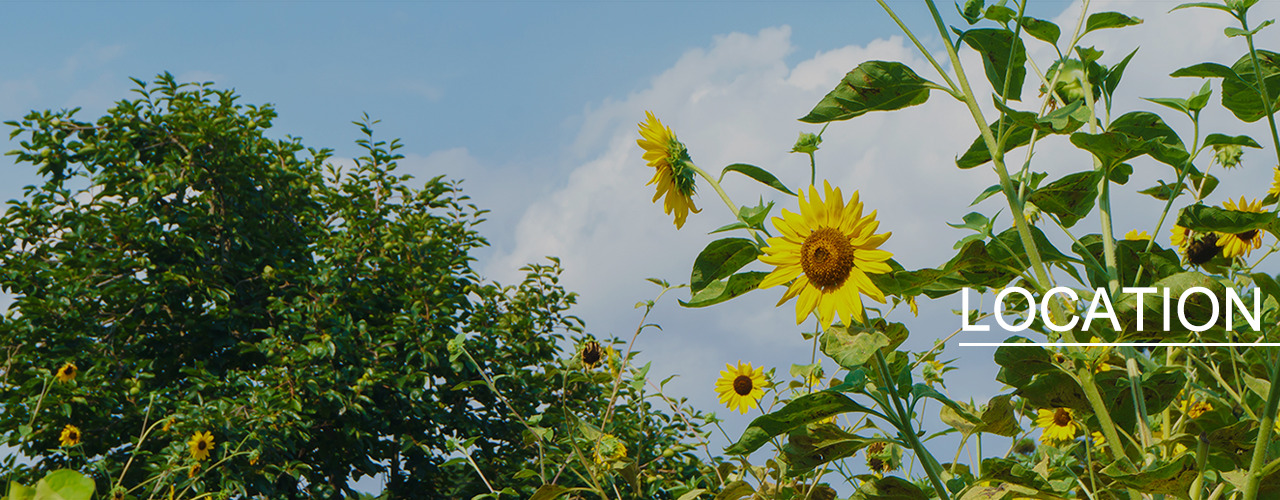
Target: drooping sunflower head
x,y
591,354
883,457
1241,244
70,436
1059,425
673,169
200,444
826,252
741,387
1197,248
609,449
66,373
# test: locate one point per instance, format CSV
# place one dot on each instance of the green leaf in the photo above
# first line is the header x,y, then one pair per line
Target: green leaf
x,y
64,484
872,86
1164,191
1018,364
549,492
1000,51
1111,148
1239,140
1206,5
735,490
888,488
972,11
692,494
1070,198
1267,284
720,259
721,290
1113,75
1171,102
1171,478
1241,97
1041,29
1200,99
19,492
853,346
800,411
813,445
1204,218
758,174
1104,20
999,14
1207,70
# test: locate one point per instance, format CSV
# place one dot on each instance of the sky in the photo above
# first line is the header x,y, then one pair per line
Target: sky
x,y
535,105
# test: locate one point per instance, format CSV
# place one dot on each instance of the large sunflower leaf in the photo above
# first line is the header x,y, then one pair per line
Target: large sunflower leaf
x,y
720,259
1241,98
888,488
1041,29
1171,478
800,411
813,445
1103,20
1002,55
1204,218
1070,198
1018,364
65,484
721,290
872,86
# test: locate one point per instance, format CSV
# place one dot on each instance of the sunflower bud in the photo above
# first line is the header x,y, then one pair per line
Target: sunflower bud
x,y
807,143
1227,155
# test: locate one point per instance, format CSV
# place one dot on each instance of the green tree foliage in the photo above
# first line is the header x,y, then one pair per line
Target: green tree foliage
x,y
204,277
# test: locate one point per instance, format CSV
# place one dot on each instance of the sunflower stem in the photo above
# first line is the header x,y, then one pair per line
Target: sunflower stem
x,y
728,202
1267,103
1265,433
903,423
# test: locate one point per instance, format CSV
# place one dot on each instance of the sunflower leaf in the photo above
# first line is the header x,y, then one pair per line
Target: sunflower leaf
x,y
800,411
1204,218
758,174
1103,20
1070,198
1002,55
890,487
722,290
1239,140
720,259
872,86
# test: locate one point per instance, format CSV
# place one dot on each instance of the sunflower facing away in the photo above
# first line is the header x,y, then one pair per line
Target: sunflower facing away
x,y
200,444
1241,244
66,373
70,436
826,251
741,387
673,168
609,449
1059,425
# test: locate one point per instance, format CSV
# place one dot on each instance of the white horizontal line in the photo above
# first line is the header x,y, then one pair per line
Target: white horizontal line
x,y
1121,344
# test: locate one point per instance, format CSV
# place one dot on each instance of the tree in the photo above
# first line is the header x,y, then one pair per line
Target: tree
x,y
203,277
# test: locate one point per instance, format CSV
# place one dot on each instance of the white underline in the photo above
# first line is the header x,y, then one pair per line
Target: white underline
x,y
1121,344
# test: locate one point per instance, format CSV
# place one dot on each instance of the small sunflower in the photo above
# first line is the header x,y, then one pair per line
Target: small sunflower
x,y
200,444
591,354
66,373
70,436
741,387
1275,182
1193,408
1099,440
609,449
193,470
1241,244
1134,235
826,252
673,168
1059,425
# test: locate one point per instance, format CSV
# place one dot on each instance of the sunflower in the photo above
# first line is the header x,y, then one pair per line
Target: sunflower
x,y
741,387
1196,248
1134,235
1275,182
1194,408
591,354
609,449
1178,236
674,169
1059,425
70,436
200,444
1241,244
67,373
826,251
1099,441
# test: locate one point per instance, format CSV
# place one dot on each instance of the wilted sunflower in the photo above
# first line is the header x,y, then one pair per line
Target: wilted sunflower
x,y
609,449
1241,244
66,373
70,436
1059,425
200,444
1196,248
826,251
591,354
741,387
673,168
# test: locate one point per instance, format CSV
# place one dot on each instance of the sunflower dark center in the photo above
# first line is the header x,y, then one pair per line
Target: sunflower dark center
x,y
1247,235
202,445
826,257
1061,418
1203,250
591,354
742,385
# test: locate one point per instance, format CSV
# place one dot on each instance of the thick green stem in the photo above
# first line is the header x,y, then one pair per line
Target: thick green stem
x,y
903,422
1100,410
1264,435
1262,88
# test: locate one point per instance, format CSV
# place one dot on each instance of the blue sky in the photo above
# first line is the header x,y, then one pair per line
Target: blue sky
x,y
535,105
